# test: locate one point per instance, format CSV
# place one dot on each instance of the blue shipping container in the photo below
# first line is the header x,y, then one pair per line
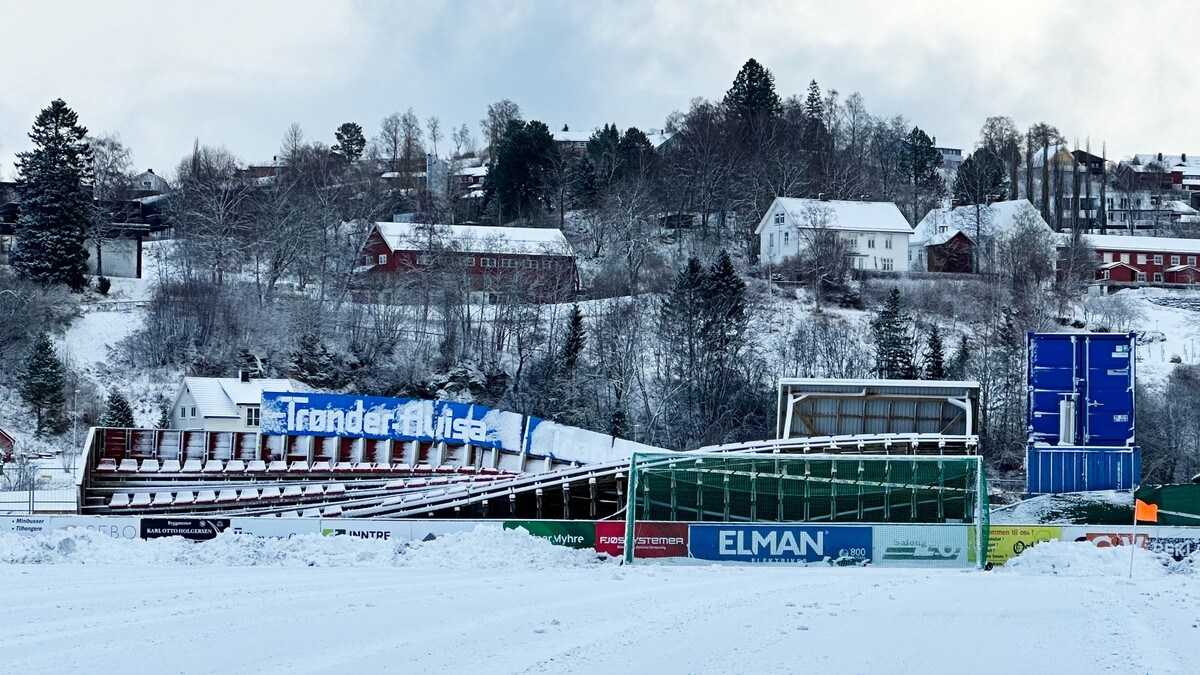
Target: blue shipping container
x,y
1095,373
1058,469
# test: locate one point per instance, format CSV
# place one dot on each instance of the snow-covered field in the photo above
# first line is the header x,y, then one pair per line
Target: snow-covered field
x,y
502,602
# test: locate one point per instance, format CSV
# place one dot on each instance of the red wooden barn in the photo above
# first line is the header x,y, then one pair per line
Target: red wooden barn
x,y
536,262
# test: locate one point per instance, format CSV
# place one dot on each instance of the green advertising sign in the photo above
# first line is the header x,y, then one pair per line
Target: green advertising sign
x,y
573,533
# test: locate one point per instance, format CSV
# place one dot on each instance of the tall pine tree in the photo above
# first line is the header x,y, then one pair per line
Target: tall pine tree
x,y
752,96
935,356
55,204
576,339
41,384
117,411
892,330
921,161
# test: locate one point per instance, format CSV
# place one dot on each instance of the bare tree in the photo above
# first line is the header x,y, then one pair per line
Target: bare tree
x,y
112,182
499,114
434,126
824,259
389,144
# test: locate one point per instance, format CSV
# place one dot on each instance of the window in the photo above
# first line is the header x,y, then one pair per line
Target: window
x,y
469,260
508,262
424,259
885,264
530,263
1108,256
548,264
1141,276
1141,258
1158,260
870,243
1192,260
382,259
1125,258
193,411
771,240
1174,260
786,238
851,243
1104,274
1158,276
779,218
887,242
252,416
487,262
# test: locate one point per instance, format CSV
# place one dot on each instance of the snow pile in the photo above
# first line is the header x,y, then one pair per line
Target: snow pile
x,y
486,547
1085,559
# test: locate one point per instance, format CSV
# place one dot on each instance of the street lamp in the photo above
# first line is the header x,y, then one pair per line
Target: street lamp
x,y
75,422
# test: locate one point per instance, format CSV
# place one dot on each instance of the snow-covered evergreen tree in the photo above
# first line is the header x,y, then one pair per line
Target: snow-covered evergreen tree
x,y
41,384
55,204
576,339
892,328
935,357
117,411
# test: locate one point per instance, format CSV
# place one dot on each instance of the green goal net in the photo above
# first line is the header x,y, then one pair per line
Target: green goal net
x,y
902,499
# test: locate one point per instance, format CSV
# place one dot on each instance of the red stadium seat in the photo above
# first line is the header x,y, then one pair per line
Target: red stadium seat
x,y
185,497
214,466
248,494
119,500
332,511
445,468
298,466
321,466
191,466
226,496
293,492
149,466
422,468
367,467
313,490
235,466
336,489
163,499
206,497
277,466
256,466
402,468
141,499
343,467
170,466
128,466
271,493
107,465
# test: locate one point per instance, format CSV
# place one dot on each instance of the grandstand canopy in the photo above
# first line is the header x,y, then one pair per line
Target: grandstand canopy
x,y
832,407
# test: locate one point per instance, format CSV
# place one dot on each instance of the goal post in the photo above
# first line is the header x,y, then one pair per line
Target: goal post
x,y
901,501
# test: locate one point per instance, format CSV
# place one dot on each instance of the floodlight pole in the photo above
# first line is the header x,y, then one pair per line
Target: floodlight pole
x,y
75,422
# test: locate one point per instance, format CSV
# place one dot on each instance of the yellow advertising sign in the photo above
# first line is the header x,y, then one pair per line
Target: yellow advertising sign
x,y
1005,543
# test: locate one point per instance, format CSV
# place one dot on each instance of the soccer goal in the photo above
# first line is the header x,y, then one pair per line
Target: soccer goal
x,y
744,507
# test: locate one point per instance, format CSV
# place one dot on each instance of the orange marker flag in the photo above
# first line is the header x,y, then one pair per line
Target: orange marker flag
x,y
1145,512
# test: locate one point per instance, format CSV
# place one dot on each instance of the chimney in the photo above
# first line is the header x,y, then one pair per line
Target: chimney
x,y
1160,156
821,196
1183,158
244,375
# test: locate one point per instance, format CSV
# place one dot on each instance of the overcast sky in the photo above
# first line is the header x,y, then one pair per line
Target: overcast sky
x,y
237,74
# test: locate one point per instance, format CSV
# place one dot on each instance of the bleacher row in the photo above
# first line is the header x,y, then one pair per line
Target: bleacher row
x,y
269,495
213,467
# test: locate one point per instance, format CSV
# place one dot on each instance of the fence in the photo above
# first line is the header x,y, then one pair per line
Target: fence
x,y
38,485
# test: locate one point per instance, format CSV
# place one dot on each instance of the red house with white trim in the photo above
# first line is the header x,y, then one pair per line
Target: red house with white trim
x,y
535,261
1152,260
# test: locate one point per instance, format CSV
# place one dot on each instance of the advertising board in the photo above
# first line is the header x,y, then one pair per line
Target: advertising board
x,y
380,418
117,527
1007,542
921,545
386,530
572,533
651,540
196,529
1176,542
26,524
779,543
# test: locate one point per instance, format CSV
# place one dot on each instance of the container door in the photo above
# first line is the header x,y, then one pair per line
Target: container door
x,y
1108,390
1052,360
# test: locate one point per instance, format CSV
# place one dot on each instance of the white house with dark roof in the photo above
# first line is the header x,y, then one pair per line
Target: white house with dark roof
x,y
875,233
224,403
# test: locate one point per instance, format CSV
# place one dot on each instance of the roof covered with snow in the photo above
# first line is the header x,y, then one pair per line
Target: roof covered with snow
x,y
1141,160
1121,242
221,396
474,238
941,224
839,215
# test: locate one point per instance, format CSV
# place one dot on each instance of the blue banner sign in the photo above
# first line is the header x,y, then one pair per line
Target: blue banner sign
x,y
779,543
380,418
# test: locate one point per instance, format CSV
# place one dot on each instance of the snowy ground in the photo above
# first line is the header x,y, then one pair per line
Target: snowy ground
x,y
502,602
